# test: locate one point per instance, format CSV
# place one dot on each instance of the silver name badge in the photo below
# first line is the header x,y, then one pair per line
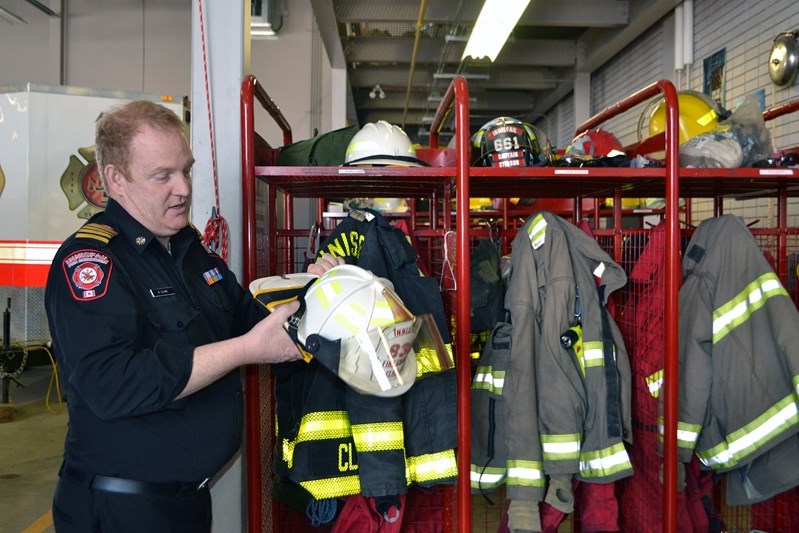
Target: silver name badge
x,y
163,291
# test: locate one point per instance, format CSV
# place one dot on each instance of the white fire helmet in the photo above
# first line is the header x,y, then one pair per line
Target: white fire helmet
x,y
353,323
381,143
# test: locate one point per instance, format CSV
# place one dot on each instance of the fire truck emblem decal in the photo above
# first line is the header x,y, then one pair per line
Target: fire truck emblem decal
x,y
83,185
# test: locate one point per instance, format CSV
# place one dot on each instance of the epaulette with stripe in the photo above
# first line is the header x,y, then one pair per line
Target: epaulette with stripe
x,y
96,232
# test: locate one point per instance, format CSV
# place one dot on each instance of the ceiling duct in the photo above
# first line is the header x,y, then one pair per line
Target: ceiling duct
x,y
266,18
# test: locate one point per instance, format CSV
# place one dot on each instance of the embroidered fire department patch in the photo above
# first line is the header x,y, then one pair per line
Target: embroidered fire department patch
x,y
88,272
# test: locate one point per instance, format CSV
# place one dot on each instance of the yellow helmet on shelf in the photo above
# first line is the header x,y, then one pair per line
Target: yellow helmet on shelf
x,y
698,114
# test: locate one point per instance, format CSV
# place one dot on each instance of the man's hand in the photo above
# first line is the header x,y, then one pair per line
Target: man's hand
x,y
324,263
268,340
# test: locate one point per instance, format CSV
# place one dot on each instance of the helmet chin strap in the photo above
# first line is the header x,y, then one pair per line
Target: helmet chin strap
x,y
292,324
377,370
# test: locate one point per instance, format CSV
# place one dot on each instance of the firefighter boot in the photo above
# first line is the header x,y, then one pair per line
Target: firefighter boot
x,y
560,494
523,516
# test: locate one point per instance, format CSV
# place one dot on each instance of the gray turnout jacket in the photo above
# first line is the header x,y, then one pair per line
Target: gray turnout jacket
x,y
563,410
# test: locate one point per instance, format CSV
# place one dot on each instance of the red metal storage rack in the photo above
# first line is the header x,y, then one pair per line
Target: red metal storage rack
x,y
575,184
335,182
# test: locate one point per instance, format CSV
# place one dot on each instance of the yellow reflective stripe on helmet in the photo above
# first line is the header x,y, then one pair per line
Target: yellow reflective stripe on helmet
x,y
537,231
486,477
525,473
739,309
486,378
350,316
778,419
327,292
378,437
561,447
382,314
432,467
333,487
707,118
606,462
654,382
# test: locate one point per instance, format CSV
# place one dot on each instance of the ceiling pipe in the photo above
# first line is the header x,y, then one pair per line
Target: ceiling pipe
x,y
43,8
417,36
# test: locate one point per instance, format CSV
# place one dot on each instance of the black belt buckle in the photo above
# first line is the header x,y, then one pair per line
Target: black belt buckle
x,y
190,488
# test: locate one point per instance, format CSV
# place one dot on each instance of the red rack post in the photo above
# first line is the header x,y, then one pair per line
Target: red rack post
x,y
250,89
672,267
458,92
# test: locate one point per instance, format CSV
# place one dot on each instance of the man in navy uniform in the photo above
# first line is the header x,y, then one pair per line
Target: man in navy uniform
x,y
149,329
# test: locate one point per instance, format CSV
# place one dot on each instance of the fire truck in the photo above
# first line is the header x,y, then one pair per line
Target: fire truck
x,y
49,186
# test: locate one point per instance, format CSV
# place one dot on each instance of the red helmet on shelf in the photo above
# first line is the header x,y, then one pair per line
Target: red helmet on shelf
x,y
595,143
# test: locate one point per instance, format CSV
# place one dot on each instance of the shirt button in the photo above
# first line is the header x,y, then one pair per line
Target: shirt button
x,y
180,323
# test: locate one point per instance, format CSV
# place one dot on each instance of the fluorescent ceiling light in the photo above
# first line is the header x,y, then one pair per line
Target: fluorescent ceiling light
x,y
10,17
497,19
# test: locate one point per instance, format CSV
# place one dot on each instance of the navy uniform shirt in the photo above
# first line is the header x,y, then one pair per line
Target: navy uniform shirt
x,y
125,316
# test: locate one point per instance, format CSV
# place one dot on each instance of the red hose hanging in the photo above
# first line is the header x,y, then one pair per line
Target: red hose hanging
x,y
215,235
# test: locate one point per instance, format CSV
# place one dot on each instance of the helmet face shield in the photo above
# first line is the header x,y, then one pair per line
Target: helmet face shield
x,y
387,361
354,324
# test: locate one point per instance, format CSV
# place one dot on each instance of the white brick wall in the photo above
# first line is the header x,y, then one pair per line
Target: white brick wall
x,y
745,29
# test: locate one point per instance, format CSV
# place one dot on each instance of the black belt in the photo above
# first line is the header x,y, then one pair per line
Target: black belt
x,y
132,486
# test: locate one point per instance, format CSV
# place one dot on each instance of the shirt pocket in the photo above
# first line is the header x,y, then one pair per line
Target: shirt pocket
x,y
172,316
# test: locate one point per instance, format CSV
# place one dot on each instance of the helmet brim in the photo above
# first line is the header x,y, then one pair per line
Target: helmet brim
x,y
397,161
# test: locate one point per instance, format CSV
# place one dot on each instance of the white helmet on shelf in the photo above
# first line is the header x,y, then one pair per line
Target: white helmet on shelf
x,y
381,143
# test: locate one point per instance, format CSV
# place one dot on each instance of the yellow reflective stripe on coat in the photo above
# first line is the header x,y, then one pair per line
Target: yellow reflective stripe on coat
x,y
654,382
525,473
333,487
593,354
537,231
486,477
781,417
687,434
326,425
378,436
428,360
561,447
486,378
738,310
432,467
606,462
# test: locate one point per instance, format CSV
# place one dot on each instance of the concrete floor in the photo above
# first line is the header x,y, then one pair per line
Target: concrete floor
x,y
31,447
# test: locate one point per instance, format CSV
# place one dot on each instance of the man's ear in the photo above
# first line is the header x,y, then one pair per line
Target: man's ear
x,y
113,179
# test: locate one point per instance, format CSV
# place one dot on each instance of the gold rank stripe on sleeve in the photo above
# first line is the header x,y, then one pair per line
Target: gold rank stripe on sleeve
x,y
97,232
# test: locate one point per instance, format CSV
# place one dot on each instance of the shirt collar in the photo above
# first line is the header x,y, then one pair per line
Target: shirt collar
x,y
140,238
